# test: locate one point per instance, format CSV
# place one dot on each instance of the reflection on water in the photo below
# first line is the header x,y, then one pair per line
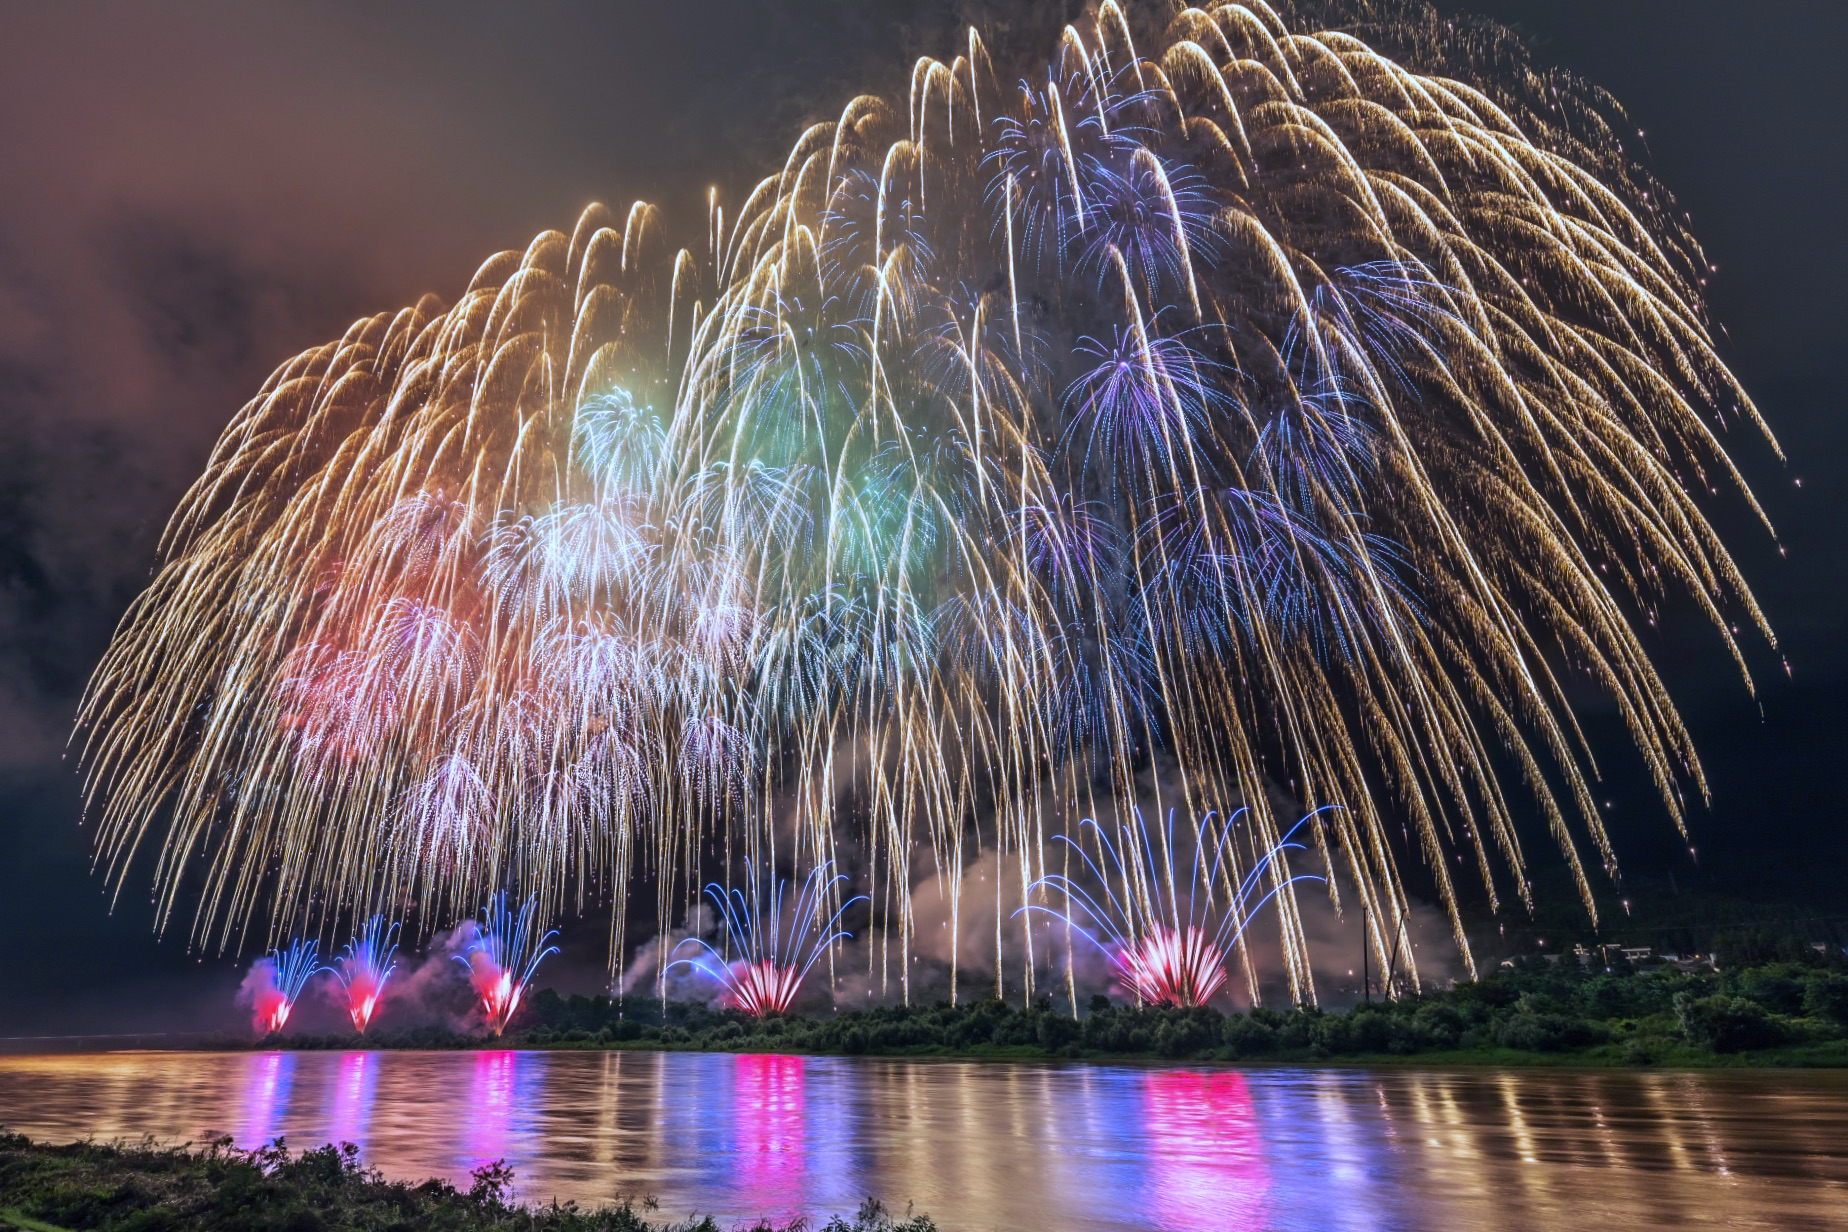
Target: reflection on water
x,y
1210,1172
350,1114
770,1130
496,1118
1014,1146
266,1094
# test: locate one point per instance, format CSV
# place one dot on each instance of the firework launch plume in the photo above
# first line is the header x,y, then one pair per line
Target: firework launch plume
x,y
364,966
503,957
765,955
1169,926
1203,385
275,983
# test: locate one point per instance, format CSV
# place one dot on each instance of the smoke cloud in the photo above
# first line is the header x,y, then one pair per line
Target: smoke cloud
x,y
268,1006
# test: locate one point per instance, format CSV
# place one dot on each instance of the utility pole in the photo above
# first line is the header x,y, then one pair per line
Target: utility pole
x,y
1366,989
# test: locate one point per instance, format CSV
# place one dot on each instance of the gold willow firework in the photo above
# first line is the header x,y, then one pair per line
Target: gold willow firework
x,y
1201,409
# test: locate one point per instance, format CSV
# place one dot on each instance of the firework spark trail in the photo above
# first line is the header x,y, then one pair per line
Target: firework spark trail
x,y
1165,952
1214,388
767,954
364,966
276,981
503,956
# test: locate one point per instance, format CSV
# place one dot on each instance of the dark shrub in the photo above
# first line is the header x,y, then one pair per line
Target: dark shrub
x,y
1636,1052
1104,1031
328,1165
1725,1024
1187,1032
1294,1031
1778,988
1538,1003
1610,996
1404,1039
1368,1030
1825,995
1542,1032
1250,1035
1011,1029
1440,1025
1056,1031
1332,1033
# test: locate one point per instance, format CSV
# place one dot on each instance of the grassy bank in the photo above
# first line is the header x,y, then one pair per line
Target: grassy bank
x,y
1536,1012
148,1188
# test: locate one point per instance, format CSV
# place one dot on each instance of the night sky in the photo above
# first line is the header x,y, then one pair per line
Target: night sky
x,y
197,191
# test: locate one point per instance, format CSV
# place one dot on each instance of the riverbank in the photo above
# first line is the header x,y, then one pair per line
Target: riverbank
x,y
88,1187
1534,1013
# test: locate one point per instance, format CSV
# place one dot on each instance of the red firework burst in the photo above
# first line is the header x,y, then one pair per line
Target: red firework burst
x,y
763,987
494,988
504,955
275,982
1169,908
777,948
1166,966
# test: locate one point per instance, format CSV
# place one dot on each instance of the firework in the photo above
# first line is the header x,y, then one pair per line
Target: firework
x,y
364,966
503,957
1166,952
1202,390
277,980
764,961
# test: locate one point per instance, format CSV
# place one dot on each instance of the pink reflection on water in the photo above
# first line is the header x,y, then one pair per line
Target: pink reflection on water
x,y
354,1084
493,1096
1206,1166
267,1078
767,1120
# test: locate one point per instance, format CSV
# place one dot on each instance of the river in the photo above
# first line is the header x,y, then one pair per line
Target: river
x,y
1074,1147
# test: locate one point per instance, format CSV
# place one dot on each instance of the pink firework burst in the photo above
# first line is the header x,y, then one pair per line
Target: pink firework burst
x,y
768,962
1167,966
504,957
275,982
494,988
364,967
1168,930
763,987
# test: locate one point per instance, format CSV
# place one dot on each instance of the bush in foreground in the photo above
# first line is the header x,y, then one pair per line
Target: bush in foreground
x,y
150,1188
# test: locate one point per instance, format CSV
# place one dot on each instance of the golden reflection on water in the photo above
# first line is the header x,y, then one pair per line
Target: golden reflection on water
x,y
1014,1146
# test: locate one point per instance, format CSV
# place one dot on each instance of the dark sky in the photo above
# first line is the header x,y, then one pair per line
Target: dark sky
x,y
195,191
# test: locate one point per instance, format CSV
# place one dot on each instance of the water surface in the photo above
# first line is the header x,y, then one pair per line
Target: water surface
x,y
1015,1146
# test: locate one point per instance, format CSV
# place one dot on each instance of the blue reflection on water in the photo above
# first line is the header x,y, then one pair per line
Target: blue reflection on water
x,y
267,1082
